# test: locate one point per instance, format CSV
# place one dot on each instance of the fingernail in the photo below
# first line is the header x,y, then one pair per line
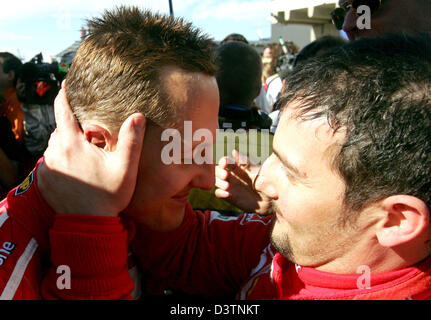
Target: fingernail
x,y
139,123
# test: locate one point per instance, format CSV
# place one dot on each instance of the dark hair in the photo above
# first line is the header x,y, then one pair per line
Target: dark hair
x,y
234,37
11,63
239,73
117,68
379,91
318,47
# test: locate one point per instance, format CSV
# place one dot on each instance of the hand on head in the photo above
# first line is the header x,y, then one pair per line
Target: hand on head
x,y
80,177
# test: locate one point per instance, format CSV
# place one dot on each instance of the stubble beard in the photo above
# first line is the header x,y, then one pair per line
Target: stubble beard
x,y
280,242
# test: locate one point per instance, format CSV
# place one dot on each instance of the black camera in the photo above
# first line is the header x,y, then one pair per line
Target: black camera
x,y
39,82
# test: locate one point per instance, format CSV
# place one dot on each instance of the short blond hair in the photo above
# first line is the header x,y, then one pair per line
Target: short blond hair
x,y
116,70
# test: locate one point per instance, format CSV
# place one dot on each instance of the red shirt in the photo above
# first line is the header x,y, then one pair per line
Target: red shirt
x,y
217,256
209,254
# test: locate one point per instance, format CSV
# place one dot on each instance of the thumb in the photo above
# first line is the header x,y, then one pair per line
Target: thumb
x,y
130,140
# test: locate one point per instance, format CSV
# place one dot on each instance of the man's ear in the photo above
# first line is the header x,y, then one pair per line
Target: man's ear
x,y
100,136
405,219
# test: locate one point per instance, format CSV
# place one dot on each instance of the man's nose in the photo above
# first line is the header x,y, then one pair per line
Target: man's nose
x,y
265,179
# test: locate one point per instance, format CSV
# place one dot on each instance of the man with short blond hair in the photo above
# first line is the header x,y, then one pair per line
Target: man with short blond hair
x,y
132,50
136,74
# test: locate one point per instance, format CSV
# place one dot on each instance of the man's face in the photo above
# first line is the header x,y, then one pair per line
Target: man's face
x,y
162,190
5,78
267,53
307,194
393,16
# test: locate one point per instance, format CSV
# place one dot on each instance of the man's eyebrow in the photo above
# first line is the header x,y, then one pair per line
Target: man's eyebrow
x,y
288,165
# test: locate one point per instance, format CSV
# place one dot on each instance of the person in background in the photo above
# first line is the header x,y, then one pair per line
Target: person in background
x,y
239,72
395,16
311,50
11,124
234,37
262,101
317,48
9,157
37,88
10,67
266,52
274,83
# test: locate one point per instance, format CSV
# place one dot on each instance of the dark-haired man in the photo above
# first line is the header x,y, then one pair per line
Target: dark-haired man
x,y
387,16
234,37
10,67
239,71
349,182
11,122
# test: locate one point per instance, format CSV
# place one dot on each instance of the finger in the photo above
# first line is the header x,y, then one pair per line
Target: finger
x,y
222,184
240,159
130,140
227,163
221,194
222,162
64,117
221,173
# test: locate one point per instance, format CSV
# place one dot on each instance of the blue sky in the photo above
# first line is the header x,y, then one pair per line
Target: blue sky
x,y
49,26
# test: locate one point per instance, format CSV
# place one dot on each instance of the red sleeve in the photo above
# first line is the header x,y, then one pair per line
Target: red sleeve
x,y
20,267
94,250
209,254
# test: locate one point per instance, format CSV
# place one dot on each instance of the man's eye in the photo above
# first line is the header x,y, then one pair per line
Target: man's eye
x,y
286,171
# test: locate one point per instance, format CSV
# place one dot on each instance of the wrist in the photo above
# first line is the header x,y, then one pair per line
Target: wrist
x,y
68,202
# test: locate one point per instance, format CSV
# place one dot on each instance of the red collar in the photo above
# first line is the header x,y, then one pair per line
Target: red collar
x,y
412,282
